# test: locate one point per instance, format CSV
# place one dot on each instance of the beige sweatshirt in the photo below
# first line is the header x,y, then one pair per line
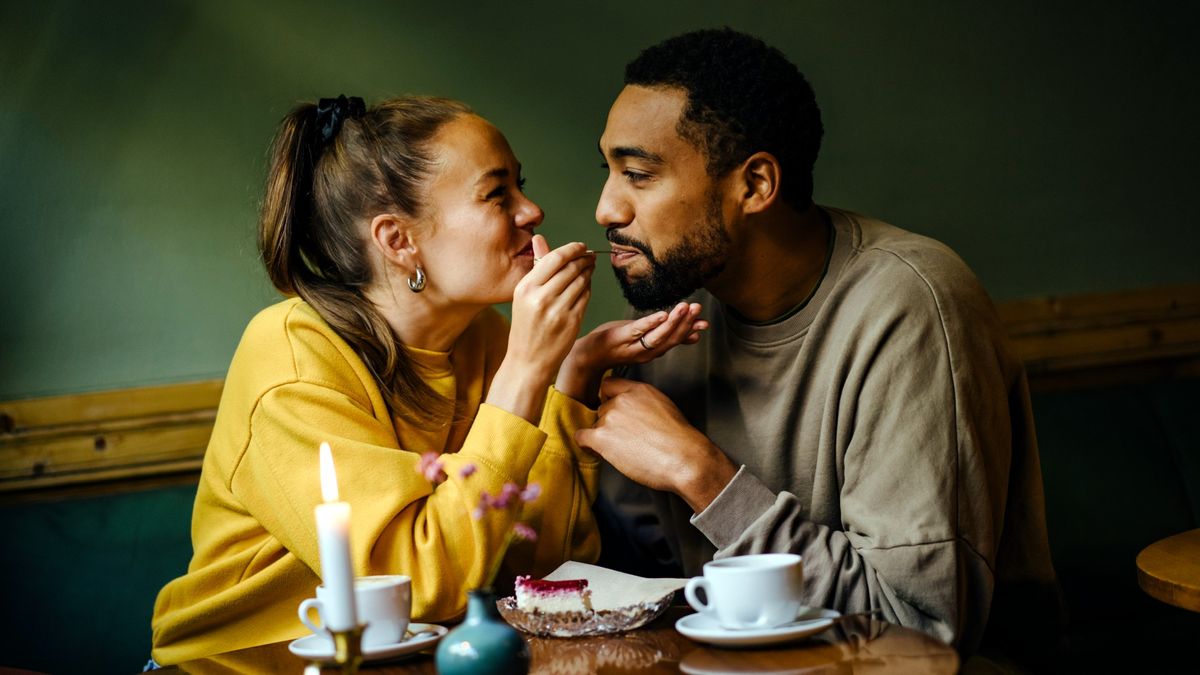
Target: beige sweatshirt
x,y
884,432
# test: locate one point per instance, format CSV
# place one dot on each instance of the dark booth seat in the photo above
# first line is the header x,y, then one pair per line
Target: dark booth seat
x,y
1122,470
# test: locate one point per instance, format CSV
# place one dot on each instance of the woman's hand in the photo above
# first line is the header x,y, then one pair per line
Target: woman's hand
x,y
547,311
620,343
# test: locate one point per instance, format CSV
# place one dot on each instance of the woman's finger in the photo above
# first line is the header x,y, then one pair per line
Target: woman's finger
x,y
581,302
556,283
546,266
684,326
662,334
640,326
540,247
577,286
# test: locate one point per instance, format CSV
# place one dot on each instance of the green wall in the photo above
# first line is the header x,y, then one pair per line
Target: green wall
x,y
1051,146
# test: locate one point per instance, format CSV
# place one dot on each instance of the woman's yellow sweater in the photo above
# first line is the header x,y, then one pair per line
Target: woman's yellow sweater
x,y
294,383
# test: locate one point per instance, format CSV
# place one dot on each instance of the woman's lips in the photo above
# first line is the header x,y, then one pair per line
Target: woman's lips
x,y
526,252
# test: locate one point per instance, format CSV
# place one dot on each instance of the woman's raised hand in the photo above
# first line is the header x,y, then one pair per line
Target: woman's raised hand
x,y
547,311
620,343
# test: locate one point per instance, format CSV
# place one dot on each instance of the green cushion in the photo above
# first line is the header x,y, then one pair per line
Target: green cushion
x,y
80,578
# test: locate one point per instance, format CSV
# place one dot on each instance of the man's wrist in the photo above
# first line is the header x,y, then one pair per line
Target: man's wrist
x,y
707,479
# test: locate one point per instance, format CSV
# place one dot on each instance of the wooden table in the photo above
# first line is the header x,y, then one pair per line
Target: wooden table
x,y
1169,570
850,646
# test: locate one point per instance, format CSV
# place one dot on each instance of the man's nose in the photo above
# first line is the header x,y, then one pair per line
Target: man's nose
x,y
612,210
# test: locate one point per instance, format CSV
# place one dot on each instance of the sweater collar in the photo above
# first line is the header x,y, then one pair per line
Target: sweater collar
x,y
431,363
796,321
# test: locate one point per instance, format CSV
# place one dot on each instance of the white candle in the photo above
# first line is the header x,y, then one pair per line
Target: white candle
x,y
333,535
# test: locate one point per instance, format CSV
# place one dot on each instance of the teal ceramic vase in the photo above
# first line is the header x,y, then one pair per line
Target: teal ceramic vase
x,y
483,642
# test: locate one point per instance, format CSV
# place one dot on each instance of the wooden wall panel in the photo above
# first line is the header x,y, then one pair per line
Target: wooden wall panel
x,y
64,442
86,438
1107,339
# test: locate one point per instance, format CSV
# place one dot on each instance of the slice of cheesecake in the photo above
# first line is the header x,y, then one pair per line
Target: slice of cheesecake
x,y
553,597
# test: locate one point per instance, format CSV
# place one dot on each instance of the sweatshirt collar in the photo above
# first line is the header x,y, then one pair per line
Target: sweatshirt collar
x,y
795,322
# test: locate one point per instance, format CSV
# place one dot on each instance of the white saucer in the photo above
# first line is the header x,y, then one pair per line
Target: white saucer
x,y
320,647
702,628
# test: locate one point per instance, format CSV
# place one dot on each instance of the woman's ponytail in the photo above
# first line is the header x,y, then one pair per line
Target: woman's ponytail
x,y
332,165
287,204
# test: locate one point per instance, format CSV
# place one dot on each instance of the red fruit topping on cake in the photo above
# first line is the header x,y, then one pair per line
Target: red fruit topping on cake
x,y
551,597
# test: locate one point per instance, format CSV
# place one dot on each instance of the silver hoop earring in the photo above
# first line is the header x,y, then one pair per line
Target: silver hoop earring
x,y
417,284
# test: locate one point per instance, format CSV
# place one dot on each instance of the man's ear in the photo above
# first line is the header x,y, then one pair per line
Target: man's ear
x,y
393,237
759,181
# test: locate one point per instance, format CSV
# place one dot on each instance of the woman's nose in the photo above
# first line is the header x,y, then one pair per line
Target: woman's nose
x,y
529,214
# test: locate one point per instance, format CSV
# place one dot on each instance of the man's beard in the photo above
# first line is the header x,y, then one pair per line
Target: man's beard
x,y
681,270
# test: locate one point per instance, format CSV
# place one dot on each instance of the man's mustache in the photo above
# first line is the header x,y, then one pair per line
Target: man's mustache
x,y
616,237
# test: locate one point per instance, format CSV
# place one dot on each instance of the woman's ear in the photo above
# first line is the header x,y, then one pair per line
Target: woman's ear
x,y
393,237
760,175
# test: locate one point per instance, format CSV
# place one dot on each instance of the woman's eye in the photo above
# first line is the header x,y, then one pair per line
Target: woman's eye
x,y
521,183
498,192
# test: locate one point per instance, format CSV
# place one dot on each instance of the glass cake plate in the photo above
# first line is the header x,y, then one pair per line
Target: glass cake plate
x,y
582,624
620,602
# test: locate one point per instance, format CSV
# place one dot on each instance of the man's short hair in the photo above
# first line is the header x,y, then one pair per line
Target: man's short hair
x,y
743,96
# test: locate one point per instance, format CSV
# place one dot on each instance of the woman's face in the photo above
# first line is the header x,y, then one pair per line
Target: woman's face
x,y
478,246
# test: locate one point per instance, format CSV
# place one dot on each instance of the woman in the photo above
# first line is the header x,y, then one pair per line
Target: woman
x,y
398,228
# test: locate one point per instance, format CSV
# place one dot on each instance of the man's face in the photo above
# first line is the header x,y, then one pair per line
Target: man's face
x,y
662,210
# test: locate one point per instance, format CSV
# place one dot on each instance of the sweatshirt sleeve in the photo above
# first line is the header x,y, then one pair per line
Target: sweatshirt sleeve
x,y
568,475
920,416
400,522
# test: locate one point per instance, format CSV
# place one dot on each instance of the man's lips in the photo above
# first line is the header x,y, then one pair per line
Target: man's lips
x,y
623,254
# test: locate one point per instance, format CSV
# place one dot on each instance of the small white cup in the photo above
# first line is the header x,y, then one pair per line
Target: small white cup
x,y
383,602
750,591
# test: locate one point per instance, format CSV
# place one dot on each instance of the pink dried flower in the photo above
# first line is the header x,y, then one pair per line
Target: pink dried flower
x,y
485,502
508,493
485,505
430,466
523,531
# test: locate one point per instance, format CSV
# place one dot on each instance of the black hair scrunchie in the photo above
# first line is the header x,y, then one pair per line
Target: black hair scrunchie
x,y
331,112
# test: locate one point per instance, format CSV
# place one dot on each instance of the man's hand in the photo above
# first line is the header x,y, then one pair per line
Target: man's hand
x,y
643,435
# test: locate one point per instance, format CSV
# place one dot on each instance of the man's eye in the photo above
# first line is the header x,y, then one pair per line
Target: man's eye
x,y
636,177
604,165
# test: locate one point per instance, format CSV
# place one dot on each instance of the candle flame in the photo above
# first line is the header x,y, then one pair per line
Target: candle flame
x,y
329,488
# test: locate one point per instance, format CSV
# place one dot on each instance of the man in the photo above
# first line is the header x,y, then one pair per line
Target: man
x,y
854,399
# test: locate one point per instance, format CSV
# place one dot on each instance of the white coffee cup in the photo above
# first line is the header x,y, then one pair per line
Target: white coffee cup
x,y
383,602
750,591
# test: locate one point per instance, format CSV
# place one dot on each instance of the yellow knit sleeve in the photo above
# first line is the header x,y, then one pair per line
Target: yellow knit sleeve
x,y
567,475
400,523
